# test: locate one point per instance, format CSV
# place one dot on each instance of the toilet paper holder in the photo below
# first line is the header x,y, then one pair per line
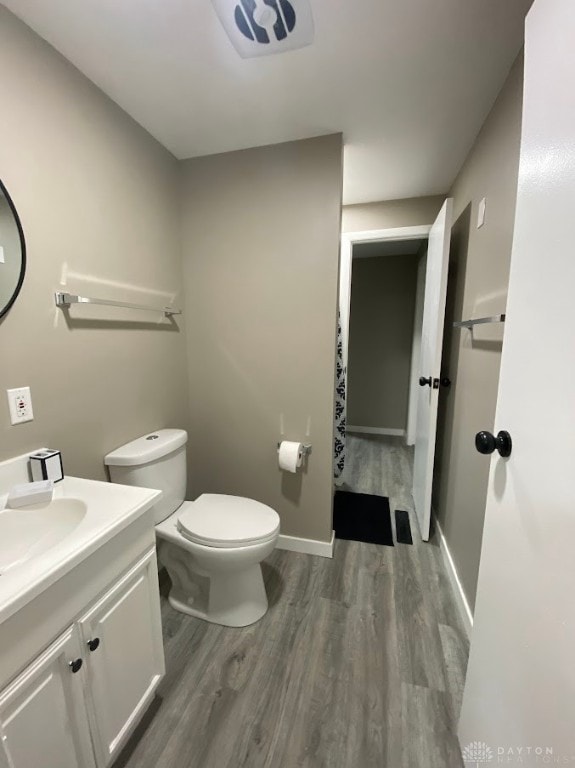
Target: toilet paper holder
x,y
305,449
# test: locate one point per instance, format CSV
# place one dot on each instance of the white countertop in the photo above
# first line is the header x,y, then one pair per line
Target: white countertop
x,y
110,509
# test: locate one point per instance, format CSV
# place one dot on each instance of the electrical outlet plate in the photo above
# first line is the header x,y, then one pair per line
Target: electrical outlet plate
x,y
20,404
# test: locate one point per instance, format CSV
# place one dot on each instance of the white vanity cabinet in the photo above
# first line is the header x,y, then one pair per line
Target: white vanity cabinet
x,y
43,718
122,637
76,703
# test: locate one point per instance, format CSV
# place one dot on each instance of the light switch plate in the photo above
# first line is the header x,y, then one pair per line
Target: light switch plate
x,y
20,404
481,213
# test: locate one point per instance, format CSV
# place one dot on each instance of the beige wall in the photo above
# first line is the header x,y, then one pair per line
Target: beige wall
x,y
478,287
410,212
380,340
98,197
261,237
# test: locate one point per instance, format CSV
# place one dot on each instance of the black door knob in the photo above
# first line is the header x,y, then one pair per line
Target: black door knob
x,y
93,644
423,382
75,665
486,443
445,382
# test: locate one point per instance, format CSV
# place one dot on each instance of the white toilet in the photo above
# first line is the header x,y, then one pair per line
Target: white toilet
x,y
212,547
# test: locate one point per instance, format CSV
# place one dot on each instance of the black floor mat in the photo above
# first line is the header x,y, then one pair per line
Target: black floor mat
x,y
362,517
402,527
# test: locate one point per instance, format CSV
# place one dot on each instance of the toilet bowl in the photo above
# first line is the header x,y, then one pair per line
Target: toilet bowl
x,y
212,547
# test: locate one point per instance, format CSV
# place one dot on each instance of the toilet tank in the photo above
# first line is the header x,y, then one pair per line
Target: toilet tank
x,y
156,460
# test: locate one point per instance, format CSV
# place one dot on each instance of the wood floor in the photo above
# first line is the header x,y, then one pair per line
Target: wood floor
x,y
359,662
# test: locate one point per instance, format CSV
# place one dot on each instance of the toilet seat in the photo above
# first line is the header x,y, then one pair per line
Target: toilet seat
x,y
218,520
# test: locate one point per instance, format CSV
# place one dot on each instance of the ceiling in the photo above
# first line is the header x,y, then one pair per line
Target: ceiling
x,y
408,82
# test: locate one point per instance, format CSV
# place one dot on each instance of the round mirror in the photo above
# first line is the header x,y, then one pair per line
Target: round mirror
x,y
12,252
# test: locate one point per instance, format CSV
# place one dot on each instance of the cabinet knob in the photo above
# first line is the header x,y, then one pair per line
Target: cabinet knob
x,y
93,644
75,665
423,382
486,443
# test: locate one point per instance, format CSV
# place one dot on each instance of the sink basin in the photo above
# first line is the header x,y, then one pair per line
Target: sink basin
x,y
42,543
29,531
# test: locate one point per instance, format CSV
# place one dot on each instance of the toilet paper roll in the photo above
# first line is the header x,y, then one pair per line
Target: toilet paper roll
x,y
290,455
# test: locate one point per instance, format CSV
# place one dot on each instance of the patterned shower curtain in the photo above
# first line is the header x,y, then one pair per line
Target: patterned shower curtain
x,y
339,447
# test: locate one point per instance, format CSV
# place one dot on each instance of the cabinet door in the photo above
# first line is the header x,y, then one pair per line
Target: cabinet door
x,y
43,717
124,655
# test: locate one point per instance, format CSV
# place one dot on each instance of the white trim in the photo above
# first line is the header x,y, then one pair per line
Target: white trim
x,y
414,371
460,598
376,431
306,546
391,233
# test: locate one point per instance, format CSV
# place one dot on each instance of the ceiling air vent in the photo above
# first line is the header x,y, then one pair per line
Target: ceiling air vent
x,y
261,27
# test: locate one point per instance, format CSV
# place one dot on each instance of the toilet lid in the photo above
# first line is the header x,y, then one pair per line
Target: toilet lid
x,y
217,520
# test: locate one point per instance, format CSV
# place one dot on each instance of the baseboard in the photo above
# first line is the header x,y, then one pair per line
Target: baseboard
x,y
306,546
460,598
377,431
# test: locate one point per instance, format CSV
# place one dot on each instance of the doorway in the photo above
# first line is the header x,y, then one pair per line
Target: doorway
x,y
393,286
386,313
382,280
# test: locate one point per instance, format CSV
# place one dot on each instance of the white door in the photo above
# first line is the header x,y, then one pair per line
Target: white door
x,y
122,634
43,718
520,688
429,369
